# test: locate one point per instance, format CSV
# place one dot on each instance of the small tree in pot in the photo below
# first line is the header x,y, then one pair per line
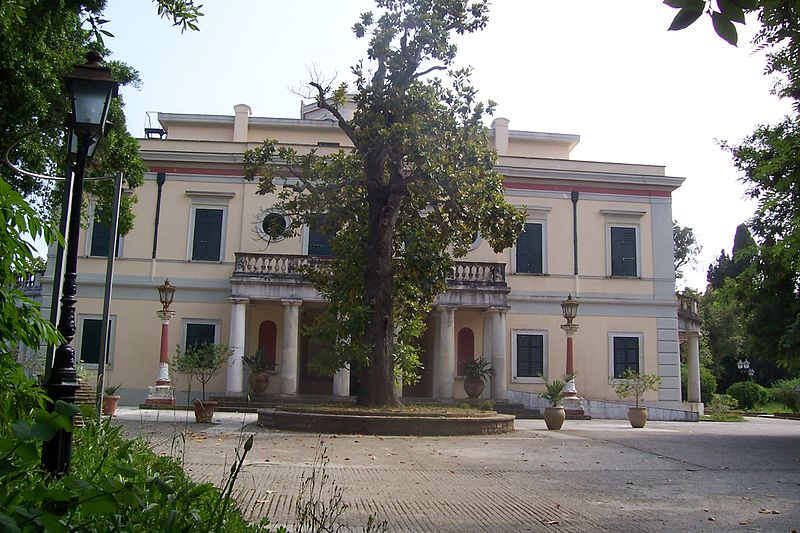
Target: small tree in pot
x,y
202,362
554,393
259,371
476,372
635,384
110,399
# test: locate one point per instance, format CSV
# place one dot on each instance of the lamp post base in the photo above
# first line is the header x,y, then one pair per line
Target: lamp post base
x,y
573,406
161,395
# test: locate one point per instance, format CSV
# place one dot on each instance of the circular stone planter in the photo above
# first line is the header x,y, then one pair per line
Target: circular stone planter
x,y
386,423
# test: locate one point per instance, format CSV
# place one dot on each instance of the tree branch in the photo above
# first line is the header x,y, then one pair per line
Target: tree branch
x,y
428,71
323,103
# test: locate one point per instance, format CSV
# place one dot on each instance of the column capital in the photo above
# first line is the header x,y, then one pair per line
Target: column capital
x,y
239,300
689,334
165,315
292,302
570,329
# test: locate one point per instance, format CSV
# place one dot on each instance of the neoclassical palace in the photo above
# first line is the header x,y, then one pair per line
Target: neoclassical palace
x,y
599,231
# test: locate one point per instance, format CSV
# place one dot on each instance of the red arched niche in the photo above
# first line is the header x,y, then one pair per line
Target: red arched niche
x,y
267,340
465,349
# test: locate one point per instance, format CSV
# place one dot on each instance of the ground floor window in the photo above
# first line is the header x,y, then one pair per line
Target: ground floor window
x,y
625,354
198,334
89,340
465,349
529,356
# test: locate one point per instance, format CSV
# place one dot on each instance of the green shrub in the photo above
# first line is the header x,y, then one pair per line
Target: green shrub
x,y
748,394
722,403
787,392
485,405
708,384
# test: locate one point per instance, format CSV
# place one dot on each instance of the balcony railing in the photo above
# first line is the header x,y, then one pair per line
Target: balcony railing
x,y
277,266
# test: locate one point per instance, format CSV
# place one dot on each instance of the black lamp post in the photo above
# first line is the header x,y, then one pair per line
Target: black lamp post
x,y
90,88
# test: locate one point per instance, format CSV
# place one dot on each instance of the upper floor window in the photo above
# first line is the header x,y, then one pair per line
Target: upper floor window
x,y
99,237
623,251
207,234
318,243
529,254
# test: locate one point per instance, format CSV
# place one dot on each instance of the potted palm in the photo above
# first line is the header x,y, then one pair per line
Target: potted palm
x,y
476,372
554,394
202,362
635,384
259,371
110,399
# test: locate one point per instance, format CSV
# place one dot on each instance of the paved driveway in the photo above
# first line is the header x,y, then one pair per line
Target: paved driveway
x,y
595,475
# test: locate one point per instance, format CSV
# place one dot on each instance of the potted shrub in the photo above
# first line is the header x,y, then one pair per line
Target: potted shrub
x,y
554,413
476,372
636,384
110,399
259,371
202,362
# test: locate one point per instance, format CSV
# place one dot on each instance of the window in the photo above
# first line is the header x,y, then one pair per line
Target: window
x,y
198,334
272,225
268,341
625,353
318,243
207,237
89,341
529,254
623,252
99,236
529,356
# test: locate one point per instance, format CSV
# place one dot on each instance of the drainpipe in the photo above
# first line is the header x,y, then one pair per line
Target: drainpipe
x,y
575,230
161,178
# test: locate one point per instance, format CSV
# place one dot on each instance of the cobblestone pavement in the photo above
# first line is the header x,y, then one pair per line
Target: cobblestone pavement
x,y
596,475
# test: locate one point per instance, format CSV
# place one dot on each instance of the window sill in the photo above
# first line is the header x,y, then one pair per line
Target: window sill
x,y
535,381
540,274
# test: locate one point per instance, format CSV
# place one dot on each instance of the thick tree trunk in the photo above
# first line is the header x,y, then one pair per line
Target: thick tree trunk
x,y
377,385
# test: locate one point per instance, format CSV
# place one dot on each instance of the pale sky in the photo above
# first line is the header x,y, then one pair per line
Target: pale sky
x,y
607,71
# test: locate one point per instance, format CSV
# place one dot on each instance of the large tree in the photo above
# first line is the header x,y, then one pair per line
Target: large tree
x,y
685,246
407,199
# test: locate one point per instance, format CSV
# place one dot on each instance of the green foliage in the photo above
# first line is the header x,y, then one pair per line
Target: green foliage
x,y
257,363
111,390
115,484
722,403
485,405
19,395
553,392
787,392
478,369
201,362
406,201
723,14
685,246
748,394
636,384
708,383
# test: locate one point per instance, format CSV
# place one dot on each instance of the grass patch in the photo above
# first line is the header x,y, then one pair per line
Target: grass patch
x,y
722,417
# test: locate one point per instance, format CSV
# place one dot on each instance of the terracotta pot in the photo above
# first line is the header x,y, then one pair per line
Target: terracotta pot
x,y
204,410
258,382
473,387
110,404
637,416
554,417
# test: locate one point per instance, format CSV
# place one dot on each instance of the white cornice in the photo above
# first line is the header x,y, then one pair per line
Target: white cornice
x,y
590,176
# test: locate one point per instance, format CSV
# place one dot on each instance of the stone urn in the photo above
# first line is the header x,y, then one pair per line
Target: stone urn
x,y
554,417
473,387
637,416
204,410
259,381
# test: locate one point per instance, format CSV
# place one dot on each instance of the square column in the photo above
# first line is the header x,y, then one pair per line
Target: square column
x,y
341,382
235,378
446,354
692,366
289,354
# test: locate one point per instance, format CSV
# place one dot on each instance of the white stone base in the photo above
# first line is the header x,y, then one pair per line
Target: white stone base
x,y
161,395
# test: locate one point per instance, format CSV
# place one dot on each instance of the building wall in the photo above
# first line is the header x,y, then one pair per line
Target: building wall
x,y
202,166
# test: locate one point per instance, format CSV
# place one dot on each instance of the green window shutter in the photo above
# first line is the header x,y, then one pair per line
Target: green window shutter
x,y
318,243
529,250
101,237
90,340
623,252
626,355
207,235
530,356
200,334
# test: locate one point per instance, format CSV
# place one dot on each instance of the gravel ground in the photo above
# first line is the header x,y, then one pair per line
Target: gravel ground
x,y
594,475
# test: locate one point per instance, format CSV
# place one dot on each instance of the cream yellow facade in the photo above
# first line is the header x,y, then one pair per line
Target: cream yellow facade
x,y
581,214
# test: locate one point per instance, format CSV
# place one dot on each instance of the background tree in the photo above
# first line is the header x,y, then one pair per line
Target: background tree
x,y
407,199
41,42
685,246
